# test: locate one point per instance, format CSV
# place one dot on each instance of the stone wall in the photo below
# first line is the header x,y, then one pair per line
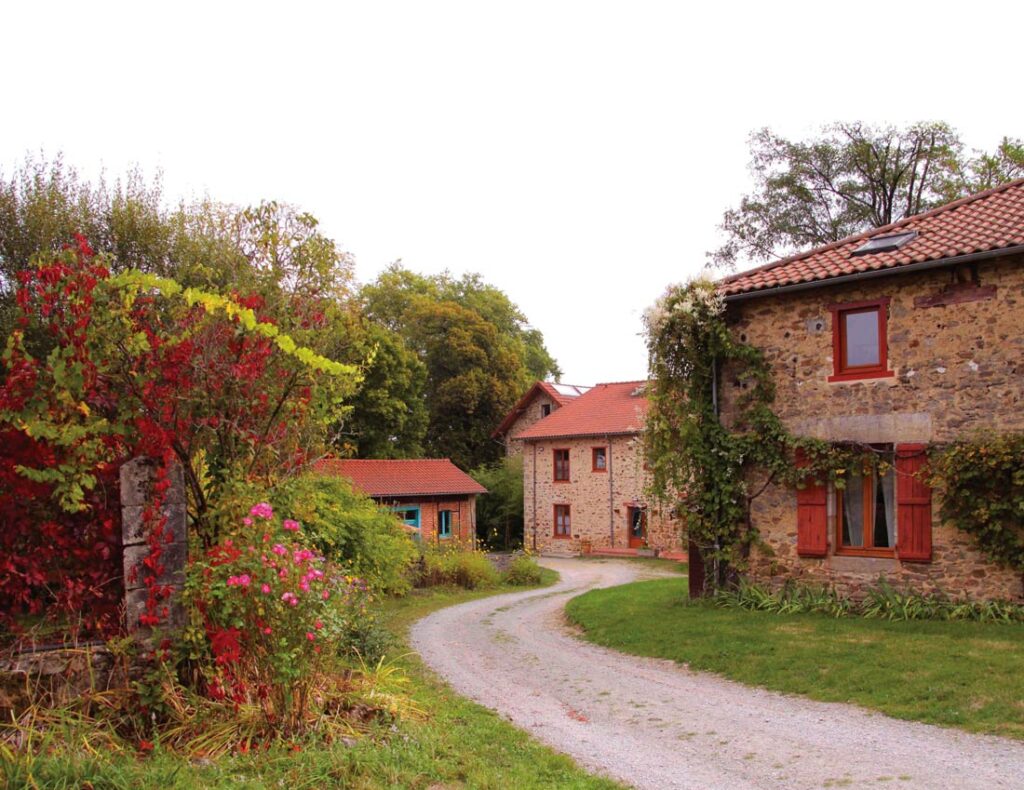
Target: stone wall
x,y
531,414
599,501
956,346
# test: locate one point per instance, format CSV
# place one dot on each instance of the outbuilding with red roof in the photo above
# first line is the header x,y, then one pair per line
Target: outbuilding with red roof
x,y
434,498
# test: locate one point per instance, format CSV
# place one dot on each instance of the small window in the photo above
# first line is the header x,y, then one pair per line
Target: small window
x,y
561,465
563,525
444,524
545,410
859,343
410,516
600,455
866,510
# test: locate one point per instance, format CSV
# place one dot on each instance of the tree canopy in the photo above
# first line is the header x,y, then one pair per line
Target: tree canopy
x,y
849,178
477,349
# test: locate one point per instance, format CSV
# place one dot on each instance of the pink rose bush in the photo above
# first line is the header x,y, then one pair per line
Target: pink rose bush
x,y
269,612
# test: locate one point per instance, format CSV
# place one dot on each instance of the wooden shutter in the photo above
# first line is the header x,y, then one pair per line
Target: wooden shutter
x,y
811,517
913,505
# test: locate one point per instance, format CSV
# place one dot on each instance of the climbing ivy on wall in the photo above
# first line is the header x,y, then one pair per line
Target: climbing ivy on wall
x,y
708,471
982,479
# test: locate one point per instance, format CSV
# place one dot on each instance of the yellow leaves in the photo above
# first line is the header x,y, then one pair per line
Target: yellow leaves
x,y
134,281
83,409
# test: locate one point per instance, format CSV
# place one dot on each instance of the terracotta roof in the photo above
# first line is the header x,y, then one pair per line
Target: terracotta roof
x,y
614,408
419,477
992,220
559,393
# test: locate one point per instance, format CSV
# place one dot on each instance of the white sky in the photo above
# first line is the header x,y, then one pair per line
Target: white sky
x,y
578,155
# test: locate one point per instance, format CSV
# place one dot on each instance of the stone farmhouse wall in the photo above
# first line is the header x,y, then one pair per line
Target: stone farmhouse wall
x,y
957,350
599,502
531,415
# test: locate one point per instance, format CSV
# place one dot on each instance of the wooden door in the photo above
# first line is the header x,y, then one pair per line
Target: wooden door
x,y
637,527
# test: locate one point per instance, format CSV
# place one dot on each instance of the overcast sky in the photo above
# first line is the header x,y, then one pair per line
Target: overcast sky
x,y
578,155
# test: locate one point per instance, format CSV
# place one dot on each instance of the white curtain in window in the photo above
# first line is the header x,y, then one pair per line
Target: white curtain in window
x,y
853,509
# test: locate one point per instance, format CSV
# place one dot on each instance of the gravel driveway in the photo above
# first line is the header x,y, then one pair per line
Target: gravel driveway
x,y
652,723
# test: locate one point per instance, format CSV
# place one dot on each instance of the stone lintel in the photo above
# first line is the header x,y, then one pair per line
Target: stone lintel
x,y
895,427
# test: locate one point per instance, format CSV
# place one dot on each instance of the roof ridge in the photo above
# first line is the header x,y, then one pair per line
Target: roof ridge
x,y
873,231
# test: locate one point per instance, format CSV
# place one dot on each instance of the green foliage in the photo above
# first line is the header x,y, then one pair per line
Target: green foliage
x,y
456,566
708,471
349,529
852,177
500,511
478,352
982,482
790,599
523,570
881,602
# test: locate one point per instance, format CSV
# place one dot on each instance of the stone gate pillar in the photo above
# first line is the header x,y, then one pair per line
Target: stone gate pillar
x,y
136,494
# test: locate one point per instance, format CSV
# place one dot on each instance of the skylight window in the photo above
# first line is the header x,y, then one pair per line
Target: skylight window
x,y
885,243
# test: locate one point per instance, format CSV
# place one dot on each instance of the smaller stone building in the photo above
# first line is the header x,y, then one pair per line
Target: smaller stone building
x,y
542,399
434,498
584,476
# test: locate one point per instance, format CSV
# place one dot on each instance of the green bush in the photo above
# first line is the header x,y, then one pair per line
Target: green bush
x,y
350,529
881,602
523,571
458,567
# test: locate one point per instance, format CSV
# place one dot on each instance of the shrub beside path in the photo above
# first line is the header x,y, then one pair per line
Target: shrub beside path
x,y
654,724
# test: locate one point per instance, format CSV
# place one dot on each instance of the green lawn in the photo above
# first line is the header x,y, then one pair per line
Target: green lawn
x,y
456,744
959,674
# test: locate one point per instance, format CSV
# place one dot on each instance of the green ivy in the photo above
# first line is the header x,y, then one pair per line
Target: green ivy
x,y
983,492
708,471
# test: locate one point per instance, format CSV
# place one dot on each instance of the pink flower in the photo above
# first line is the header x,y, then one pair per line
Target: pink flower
x,y
267,630
247,521
318,625
232,581
262,510
265,589
290,525
290,598
304,585
279,549
244,580
310,636
326,595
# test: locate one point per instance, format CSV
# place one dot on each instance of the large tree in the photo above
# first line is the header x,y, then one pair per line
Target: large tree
x,y
849,178
478,351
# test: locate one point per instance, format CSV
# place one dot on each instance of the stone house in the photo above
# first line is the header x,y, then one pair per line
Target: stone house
x,y
584,477
434,498
897,338
543,398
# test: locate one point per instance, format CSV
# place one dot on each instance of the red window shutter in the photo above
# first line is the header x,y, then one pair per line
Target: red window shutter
x,y
913,505
811,517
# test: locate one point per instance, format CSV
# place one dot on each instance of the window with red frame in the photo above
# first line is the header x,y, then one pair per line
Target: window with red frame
x,y
561,465
563,525
600,459
859,343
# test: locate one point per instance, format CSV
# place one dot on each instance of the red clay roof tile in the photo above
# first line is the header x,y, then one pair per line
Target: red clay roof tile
x,y
418,477
989,221
613,408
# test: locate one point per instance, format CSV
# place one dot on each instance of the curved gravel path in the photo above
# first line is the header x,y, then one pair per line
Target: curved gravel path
x,y
655,724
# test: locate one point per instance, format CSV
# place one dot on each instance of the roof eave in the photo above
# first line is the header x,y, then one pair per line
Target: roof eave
x,y
580,435
891,270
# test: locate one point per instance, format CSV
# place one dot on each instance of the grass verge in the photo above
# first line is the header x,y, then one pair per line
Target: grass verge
x,y
453,744
958,674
